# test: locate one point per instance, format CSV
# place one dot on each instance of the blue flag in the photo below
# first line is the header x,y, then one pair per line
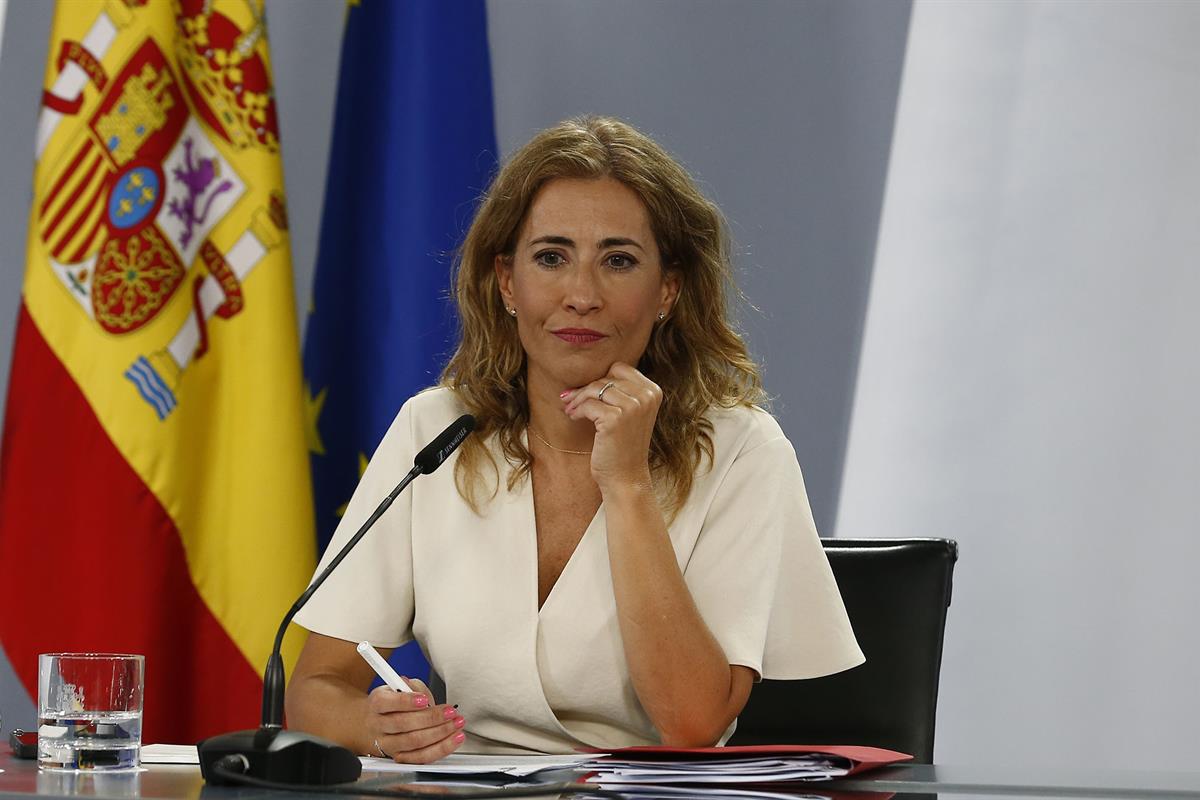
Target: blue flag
x,y
414,145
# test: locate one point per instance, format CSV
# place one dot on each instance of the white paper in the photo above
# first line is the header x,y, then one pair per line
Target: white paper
x,y
170,754
464,764
454,764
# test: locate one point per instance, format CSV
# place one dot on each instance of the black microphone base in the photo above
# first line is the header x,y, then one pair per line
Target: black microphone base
x,y
274,754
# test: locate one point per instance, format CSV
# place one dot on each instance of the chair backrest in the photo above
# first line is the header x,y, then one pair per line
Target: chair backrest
x,y
896,592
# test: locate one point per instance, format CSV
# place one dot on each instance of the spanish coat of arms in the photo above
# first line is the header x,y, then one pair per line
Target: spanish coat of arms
x,y
127,215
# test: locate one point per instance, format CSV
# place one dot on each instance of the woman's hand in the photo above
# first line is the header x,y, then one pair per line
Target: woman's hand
x,y
624,415
410,728
327,695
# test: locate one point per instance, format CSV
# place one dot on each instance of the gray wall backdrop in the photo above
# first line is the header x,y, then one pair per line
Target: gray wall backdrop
x,y
782,109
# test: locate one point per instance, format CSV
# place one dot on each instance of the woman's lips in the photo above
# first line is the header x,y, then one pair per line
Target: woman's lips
x,y
579,335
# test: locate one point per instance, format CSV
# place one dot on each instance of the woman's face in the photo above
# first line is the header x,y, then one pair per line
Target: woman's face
x,y
586,280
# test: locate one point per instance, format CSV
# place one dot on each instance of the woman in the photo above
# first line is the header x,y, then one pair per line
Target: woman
x,y
624,545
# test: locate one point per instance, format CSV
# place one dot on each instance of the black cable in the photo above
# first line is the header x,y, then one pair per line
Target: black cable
x,y
406,791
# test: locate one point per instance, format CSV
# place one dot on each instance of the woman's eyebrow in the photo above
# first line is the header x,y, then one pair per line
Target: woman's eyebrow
x,y
565,241
619,241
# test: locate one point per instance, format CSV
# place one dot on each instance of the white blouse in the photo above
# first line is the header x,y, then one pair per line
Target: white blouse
x,y
553,680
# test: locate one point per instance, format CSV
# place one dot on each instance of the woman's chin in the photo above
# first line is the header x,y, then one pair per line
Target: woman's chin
x,y
572,376
575,379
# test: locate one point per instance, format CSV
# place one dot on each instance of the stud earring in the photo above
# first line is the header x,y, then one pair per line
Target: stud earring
x,y
512,312
662,315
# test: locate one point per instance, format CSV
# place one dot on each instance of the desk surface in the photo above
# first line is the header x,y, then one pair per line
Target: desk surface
x,y
21,780
1016,780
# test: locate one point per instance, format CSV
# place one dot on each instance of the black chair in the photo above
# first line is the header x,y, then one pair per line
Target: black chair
x,y
896,592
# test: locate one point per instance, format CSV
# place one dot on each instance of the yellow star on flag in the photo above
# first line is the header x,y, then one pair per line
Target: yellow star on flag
x,y
312,411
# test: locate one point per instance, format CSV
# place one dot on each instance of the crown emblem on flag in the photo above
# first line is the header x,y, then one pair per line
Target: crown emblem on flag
x,y
226,77
139,113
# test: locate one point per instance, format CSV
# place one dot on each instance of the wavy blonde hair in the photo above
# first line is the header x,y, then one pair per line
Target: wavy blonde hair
x,y
695,355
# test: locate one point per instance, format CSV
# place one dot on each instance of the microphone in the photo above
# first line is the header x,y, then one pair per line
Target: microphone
x,y
436,452
271,753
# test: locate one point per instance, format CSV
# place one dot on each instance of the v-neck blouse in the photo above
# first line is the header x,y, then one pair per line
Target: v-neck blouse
x,y
555,679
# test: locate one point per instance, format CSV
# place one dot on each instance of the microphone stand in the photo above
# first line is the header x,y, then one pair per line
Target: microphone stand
x,y
269,752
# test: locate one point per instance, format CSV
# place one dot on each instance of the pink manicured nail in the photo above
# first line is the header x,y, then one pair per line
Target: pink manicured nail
x,y
449,712
461,721
420,701
459,737
565,394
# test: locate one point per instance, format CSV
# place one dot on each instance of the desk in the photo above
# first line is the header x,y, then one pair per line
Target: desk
x,y
21,780
1017,781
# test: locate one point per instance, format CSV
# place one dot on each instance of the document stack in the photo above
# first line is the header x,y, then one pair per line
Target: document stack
x,y
757,771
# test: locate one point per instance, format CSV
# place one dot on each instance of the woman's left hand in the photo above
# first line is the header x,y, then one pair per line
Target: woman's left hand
x,y
624,415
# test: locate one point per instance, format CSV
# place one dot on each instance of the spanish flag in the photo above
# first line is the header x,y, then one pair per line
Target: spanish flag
x,y
154,482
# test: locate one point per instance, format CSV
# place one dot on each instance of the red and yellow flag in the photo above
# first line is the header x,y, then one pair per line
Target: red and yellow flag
x,y
154,487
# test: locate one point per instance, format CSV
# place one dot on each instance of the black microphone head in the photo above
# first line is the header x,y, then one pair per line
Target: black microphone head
x,y
437,451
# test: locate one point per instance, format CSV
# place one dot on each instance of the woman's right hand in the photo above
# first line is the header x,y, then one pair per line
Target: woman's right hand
x,y
327,695
410,728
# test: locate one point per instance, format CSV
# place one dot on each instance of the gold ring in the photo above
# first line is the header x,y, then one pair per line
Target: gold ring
x,y
607,386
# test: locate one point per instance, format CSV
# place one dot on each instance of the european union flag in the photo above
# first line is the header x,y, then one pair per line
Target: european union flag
x,y
414,145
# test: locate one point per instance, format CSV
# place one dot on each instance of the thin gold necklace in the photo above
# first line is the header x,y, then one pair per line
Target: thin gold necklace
x,y
542,439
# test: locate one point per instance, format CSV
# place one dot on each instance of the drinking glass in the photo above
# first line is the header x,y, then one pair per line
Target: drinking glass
x,y
89,710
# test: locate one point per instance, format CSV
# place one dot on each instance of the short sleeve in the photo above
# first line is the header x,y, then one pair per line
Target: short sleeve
x,y
369,597
760,577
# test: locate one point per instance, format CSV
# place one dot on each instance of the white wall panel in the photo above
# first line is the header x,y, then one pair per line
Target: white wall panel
x,y
1029,378
3,9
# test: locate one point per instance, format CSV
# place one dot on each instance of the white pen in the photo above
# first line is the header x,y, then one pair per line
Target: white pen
x,y
382,668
